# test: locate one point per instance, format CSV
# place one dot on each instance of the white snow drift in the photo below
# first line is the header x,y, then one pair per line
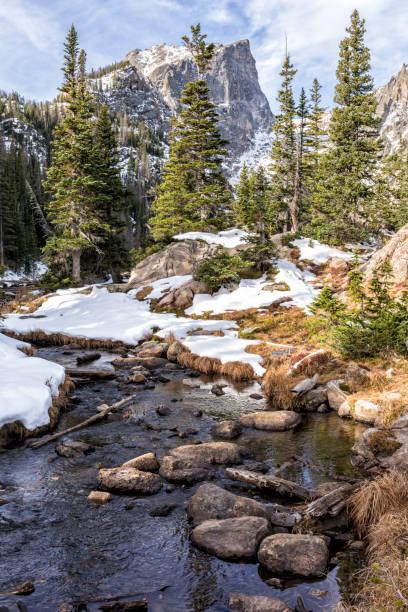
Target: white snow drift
x,y
228,239
27,385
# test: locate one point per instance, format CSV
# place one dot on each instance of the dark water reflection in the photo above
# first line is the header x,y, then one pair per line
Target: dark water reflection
x,y
77,553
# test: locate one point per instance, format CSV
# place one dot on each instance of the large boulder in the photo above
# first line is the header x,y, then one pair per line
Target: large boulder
x,y
212,502
279,420
256,603
396,252
222,453
335,395
289,553
129,480
191,463
177,259
234,538
182,297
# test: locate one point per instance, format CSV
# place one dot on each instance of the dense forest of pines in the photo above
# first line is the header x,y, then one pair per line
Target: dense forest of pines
x,y
77,201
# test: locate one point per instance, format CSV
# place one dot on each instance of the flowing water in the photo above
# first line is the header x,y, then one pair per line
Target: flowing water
x,y
83,555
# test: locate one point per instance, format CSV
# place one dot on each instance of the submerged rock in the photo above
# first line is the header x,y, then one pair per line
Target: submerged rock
x,y
256,603
129,480
234,538
279,420
227,430
289,553
99,497
72,448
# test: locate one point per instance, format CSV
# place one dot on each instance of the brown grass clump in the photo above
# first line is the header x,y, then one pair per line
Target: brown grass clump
x,y
143,293
187,359
208,365
383,442
277,386
310,362
237,370
41,338
375,498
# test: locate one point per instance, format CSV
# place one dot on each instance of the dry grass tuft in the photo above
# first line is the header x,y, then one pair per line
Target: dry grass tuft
x,y
237,370
187,359
208,365
277,386
143,293
383,443
375,498
40,338
311,362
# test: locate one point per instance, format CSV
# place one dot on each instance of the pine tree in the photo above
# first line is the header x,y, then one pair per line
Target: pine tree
x,y
194,191
344,201
113,212
314,139
297,201
71,180
283,154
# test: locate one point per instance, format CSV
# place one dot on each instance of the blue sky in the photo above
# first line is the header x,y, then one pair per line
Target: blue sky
x,y
33,31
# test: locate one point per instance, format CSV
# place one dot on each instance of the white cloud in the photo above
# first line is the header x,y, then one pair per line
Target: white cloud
x,y
35,25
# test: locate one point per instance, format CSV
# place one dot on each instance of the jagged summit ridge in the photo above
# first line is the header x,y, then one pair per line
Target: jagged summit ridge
x,y
149,90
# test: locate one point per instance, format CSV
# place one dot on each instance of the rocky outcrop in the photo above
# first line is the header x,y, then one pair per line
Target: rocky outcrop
x,y
396,251
393,109
183,296
162,71
178,259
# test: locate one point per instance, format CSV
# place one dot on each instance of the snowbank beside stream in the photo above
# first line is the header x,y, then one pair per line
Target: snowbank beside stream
x,y
27,385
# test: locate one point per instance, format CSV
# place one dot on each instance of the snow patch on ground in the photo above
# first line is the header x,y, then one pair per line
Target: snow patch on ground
x,y
228,239
318,253
164,285
27,385
251,293
39,268
118,316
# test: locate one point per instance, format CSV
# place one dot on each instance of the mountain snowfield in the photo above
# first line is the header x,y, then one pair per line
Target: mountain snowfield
x,y
26,387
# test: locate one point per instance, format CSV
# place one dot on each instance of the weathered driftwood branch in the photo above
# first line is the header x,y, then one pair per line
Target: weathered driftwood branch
x,y
273,483
332,503
93,419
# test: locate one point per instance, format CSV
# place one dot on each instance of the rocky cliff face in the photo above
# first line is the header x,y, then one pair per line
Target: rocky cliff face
x,y
148,89
393,109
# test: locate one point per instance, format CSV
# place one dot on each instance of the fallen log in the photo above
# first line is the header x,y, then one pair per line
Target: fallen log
x,y
93,419
332,503
272,483
91,374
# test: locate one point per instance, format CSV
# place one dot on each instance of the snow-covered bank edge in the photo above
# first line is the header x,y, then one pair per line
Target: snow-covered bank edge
x,y
32,392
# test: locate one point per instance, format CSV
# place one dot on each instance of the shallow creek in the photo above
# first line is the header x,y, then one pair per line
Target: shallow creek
x,y
83,555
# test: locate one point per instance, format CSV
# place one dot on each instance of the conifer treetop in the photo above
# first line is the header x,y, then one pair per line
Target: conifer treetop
x,y
202,53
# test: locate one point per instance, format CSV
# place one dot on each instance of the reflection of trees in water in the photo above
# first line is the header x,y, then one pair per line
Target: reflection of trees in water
x,y
347,577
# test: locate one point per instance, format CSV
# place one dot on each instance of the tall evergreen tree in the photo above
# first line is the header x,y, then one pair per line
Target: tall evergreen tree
x,y
283,154
297,202
314,137
194,191
113,212
72,179
344,201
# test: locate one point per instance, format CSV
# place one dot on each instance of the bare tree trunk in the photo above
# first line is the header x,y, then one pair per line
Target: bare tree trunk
x,y
115,273
1,238
294,205
76,265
